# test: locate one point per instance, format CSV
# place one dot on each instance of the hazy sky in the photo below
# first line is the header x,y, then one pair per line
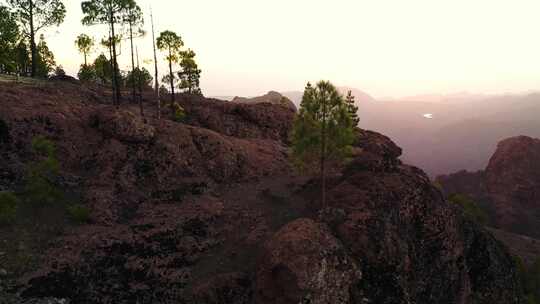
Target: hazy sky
x,y
384,47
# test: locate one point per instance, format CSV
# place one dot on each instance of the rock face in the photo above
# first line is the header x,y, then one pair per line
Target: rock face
x,y
305,263
510,185
271,97
195,212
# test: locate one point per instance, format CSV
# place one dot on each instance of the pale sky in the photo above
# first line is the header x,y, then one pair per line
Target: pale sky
x,y
384,47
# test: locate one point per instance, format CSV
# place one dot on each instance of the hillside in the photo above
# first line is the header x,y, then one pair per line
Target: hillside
x,y
208,210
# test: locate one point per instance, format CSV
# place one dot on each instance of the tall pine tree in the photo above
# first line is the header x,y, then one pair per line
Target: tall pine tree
x,y
322,132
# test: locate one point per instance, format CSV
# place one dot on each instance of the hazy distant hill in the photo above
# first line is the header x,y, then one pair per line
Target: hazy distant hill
x,y
462,133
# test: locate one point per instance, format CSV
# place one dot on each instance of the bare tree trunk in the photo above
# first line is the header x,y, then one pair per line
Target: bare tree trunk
x,y
115,63
85,62
156,81
33,48
140,84
323,155
113,86
172,77
132,60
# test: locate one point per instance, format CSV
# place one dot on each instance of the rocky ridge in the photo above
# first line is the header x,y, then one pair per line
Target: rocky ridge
x,y
208,211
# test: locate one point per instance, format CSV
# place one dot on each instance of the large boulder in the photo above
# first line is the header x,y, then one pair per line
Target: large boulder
x,y
304,263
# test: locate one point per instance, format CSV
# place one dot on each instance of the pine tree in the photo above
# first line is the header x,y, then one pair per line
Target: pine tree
x,y
352,108
171,43
45,59
35,15
322,131
85,44
110,12
134,18
9,34
190,74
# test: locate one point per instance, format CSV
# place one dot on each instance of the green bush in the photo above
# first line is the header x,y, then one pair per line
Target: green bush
x,y
8,207
79,213
41,175
470,208
178,112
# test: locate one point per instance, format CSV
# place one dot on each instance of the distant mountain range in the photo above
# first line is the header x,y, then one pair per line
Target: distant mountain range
x,y
463,130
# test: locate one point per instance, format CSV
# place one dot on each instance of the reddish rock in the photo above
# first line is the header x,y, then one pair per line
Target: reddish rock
x,y
513,184
192,212
305,263
509,187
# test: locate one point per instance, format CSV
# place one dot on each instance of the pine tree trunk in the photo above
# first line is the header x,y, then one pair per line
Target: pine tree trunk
x,y
33,48
115,63
156,82
132,61
323,156
139,81
171,75
85,62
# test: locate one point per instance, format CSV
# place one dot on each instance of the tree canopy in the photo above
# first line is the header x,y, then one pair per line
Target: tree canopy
x,y
85,44
171,43
9,35
190,74
322,131
35,15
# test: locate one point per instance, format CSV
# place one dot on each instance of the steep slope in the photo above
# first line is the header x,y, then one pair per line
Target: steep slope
x,y
209,211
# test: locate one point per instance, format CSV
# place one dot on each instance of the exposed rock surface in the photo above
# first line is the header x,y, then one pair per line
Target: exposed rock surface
x,y
305,263
209,212
271,97
510,185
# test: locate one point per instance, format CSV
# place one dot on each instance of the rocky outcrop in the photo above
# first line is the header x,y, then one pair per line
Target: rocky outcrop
x,y
509,187
513,183
305,263
209,211
271,97
259,120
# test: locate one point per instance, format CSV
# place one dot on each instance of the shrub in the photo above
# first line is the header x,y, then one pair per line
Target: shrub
x,y
8,207
178,112
41,174
59,71
79,213
87,73
470,208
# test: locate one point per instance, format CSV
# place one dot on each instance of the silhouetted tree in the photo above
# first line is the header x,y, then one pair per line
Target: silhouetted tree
x,y
156,75
85,44
103,69
35,15
190,74
45,59
9,34
134,18
322,130
109,12
352,108
139,75
171,43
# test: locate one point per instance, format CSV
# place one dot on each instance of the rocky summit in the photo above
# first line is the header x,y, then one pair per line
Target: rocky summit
x,y
209,210
508,187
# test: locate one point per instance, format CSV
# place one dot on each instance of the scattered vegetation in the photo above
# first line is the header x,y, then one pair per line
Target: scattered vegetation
x,y
470,208
178,112
8,207
41,189
79,213
322,131
530,279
